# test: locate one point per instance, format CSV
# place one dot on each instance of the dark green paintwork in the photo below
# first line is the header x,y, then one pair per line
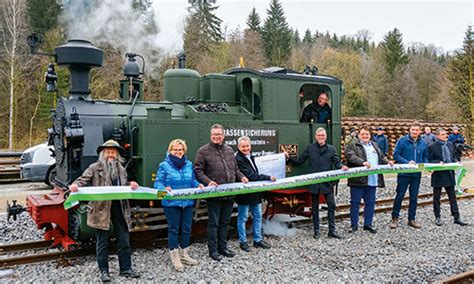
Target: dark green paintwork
x,y
256,100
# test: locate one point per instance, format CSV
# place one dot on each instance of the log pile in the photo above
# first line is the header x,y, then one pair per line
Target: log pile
x,y
394,128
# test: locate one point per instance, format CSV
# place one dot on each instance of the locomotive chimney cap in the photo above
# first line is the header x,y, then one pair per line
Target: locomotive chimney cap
x,y
79,56
79,52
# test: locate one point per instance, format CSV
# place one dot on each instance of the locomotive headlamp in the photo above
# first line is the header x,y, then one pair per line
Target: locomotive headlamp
x,y
51,78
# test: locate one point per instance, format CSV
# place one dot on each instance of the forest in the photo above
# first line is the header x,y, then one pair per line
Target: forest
x,y
381,79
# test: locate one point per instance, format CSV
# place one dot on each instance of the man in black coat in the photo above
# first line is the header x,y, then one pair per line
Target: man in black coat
x,y
322,157
318,112
442,151
253,201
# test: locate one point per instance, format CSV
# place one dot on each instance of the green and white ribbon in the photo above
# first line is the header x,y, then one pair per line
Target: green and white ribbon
x,y
101,193
124,192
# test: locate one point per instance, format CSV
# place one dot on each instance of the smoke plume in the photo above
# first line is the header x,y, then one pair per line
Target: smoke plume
x,y
116,23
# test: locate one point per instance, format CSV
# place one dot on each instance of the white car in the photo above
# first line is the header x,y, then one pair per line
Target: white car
x,y
37,164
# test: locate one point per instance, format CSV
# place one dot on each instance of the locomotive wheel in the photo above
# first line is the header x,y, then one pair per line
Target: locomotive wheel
x,y
50,176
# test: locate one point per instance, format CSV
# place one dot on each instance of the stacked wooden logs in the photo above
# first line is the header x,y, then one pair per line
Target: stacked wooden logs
x,y
394,128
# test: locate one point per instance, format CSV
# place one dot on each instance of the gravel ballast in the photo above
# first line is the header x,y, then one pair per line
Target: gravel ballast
x,y
405,254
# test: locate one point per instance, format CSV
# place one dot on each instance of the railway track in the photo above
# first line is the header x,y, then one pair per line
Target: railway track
x,y
10,168
386,205
461,278
41,250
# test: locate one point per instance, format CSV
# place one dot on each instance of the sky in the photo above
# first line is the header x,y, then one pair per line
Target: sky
x,y
441,23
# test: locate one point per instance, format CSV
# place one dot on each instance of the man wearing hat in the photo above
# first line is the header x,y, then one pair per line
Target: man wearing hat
x,y
381,140
458,141
108,171
351,137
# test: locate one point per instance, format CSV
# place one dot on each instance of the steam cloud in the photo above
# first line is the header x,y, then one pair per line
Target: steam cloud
x,y
115,23
277,226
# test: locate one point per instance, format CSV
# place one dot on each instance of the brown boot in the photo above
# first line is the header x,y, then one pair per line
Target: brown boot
x,y
185,258
394,223
176,260
414,224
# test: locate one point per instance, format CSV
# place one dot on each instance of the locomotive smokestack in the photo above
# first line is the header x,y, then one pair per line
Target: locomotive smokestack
x,y
182,60
80,56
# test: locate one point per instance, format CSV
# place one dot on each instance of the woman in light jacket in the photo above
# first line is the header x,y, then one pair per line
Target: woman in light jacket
x,y
175,173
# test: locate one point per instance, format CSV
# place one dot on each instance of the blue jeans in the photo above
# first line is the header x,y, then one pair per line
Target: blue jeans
x,y
124,251
357,194
403,182
256,211
179,221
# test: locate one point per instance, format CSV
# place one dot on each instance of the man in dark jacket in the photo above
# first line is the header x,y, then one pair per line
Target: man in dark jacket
x,y
253,201
322,157
410,149
108,171
364,153
442,151
319,112
381,140
215,164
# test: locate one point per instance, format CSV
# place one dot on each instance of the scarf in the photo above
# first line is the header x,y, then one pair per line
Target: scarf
x,y
178,162
445,151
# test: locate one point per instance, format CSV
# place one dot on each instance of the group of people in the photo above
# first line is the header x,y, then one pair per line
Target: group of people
x,y
216,163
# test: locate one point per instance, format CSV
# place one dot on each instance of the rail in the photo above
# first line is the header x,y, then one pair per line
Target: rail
x,y
10,154
461,278
9,168
64,256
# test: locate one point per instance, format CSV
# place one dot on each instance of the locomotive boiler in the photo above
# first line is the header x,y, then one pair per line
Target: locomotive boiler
x,y
262,104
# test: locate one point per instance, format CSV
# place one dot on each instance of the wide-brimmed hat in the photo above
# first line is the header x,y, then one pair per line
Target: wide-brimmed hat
x,y
111,144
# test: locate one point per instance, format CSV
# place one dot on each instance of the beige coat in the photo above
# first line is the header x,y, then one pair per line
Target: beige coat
x,y
99,215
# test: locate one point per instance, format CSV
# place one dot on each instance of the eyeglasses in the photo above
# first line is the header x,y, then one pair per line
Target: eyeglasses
x,y
217,134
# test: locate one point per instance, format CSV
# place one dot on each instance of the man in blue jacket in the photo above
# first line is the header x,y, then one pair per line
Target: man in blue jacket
x,y
458,141
410,149
381,140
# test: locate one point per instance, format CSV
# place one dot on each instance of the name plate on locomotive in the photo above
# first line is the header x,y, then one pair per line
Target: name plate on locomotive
x,y
263,141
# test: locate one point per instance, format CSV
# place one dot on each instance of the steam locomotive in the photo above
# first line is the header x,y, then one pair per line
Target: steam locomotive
x,y
262,104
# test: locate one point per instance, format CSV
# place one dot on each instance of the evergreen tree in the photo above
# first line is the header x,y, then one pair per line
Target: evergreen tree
x,y
394,53
43,15
253,21
202,31
296,40
148,14
461,76
276,35
209,25
308,38
334,41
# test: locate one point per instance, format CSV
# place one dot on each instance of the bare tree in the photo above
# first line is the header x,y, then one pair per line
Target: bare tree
x,y
12,28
